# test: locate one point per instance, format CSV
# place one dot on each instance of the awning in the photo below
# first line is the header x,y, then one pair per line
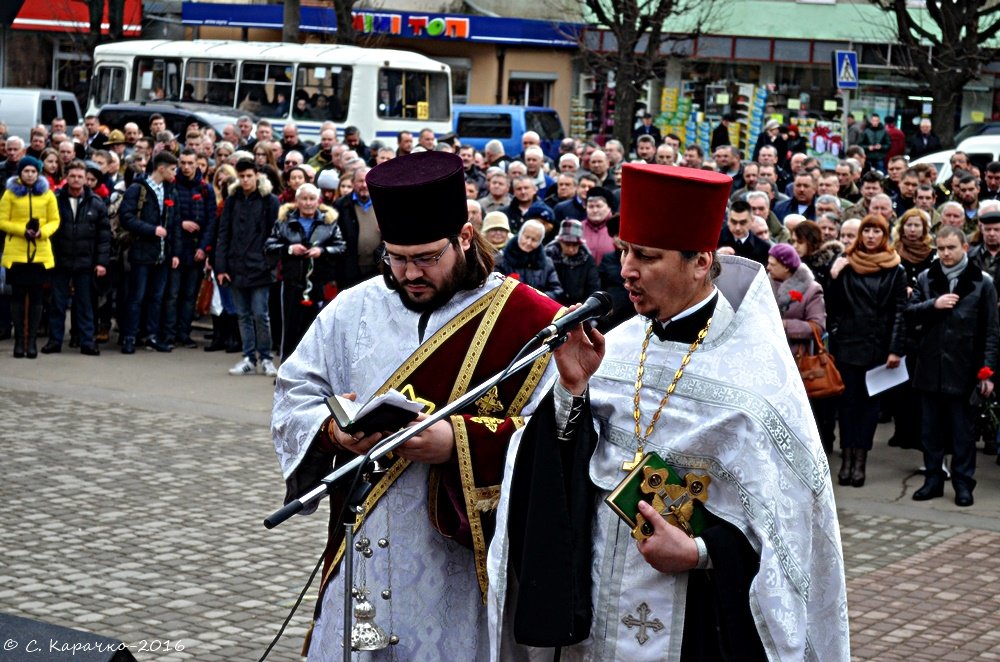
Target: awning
x,y
73,16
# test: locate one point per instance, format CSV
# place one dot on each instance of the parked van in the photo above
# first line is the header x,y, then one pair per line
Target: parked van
x,y
982,149
477,125
25,108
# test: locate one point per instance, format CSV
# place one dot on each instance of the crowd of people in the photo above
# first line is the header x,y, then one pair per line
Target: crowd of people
x,y
123,229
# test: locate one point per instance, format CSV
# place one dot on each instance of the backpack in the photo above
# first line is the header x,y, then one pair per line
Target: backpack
x,y
121,236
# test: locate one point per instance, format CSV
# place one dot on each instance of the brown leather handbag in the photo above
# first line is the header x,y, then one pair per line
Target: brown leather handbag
x,y
203,303
819,372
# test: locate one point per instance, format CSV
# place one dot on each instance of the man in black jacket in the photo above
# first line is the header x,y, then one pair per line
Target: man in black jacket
x,y
147,212
195,210
924,142
955,307
736,238
82,247
246,222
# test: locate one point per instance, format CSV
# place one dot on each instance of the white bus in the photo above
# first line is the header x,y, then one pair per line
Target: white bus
x,y
380,91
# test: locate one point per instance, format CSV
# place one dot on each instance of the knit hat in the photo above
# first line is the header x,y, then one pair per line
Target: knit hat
x,y
540,212
785,254
28,161
570,231
328,179
495,220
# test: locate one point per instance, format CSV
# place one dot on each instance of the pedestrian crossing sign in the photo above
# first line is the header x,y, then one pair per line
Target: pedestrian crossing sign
x,y
845,69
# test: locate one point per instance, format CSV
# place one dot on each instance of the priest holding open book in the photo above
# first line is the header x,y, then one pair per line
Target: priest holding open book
x,y
437,321
672,500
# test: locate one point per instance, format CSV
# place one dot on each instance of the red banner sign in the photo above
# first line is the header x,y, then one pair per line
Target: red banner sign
x,y
73,16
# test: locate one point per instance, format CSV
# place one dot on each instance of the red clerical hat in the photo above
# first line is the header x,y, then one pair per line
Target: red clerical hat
x,y
672,208
419,198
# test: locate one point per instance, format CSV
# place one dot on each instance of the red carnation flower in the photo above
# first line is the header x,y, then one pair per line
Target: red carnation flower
x,y
196,196
984,373
169,202
795,295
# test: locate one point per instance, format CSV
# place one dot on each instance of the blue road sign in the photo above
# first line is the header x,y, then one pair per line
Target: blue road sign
x,y
845,69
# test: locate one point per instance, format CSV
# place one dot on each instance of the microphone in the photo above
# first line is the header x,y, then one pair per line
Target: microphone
x,y
597,305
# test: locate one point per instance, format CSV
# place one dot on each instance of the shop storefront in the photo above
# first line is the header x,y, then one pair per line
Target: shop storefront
x,y
780,67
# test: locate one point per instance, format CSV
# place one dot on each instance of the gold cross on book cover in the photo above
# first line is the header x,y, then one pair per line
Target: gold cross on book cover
x,y
681,501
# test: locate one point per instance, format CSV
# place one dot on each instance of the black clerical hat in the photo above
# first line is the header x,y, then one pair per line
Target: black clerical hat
x,y
419,198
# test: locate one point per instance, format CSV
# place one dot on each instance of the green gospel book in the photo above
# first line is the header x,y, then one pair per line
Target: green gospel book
x,y
625,498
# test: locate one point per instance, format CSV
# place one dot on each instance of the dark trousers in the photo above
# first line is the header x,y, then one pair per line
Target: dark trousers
x,y
948,417
179,308
146,285
296,317
858,411
82,283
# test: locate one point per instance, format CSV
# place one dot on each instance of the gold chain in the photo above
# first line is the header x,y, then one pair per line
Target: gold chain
x,y
641,439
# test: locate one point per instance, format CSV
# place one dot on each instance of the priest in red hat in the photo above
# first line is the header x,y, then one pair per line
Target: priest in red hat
x,y
436,322
696,407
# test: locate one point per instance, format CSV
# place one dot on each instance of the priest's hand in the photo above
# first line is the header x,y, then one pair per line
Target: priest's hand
x,y
434,445
669,549
358,442
579,357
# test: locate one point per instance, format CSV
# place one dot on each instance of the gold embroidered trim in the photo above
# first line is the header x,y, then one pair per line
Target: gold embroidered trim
x,y
433,485
530,382
487,498
471,497
518,422
490,423
482,335
422,353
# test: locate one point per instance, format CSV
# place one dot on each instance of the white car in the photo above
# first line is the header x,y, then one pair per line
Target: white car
x,y
981,150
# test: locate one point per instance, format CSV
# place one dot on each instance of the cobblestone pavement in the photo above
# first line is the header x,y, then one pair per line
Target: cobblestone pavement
x,y
143,523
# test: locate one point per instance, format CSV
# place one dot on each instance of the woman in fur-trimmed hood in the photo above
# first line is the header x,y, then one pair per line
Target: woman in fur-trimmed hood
x,y
29,216
305,244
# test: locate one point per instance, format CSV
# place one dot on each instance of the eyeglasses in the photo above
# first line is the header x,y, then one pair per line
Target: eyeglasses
x,y
422,261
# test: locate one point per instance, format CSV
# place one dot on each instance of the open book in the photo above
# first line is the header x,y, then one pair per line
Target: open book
x,y
387,412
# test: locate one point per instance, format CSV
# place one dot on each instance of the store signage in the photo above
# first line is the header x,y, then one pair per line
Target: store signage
x,y
412,26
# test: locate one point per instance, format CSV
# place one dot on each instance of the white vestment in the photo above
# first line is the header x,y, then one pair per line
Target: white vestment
x,y
356,344
740,414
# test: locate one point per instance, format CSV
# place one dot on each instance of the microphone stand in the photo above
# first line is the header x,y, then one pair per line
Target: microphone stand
x,y
361,488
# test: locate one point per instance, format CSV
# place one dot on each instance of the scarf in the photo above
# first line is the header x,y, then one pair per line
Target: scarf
x,y
913,251
952,273
869,263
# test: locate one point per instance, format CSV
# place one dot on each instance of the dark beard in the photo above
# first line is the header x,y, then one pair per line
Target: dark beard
x,y
441,296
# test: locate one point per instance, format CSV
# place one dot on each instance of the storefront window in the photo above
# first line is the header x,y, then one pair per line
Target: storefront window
x,y
522,92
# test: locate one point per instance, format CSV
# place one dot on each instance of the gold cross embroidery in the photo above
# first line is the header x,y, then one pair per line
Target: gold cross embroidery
x,y
491,424
409,393
490,402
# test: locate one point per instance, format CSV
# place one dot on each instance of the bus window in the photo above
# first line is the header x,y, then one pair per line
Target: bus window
x,y
265,89
156,78
107,86
212,81
418,95
322,93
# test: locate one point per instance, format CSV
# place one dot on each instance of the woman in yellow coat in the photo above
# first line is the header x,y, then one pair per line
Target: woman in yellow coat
x,y
29,216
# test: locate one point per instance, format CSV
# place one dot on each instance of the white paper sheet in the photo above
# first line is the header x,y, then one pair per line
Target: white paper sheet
x,y
882,379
